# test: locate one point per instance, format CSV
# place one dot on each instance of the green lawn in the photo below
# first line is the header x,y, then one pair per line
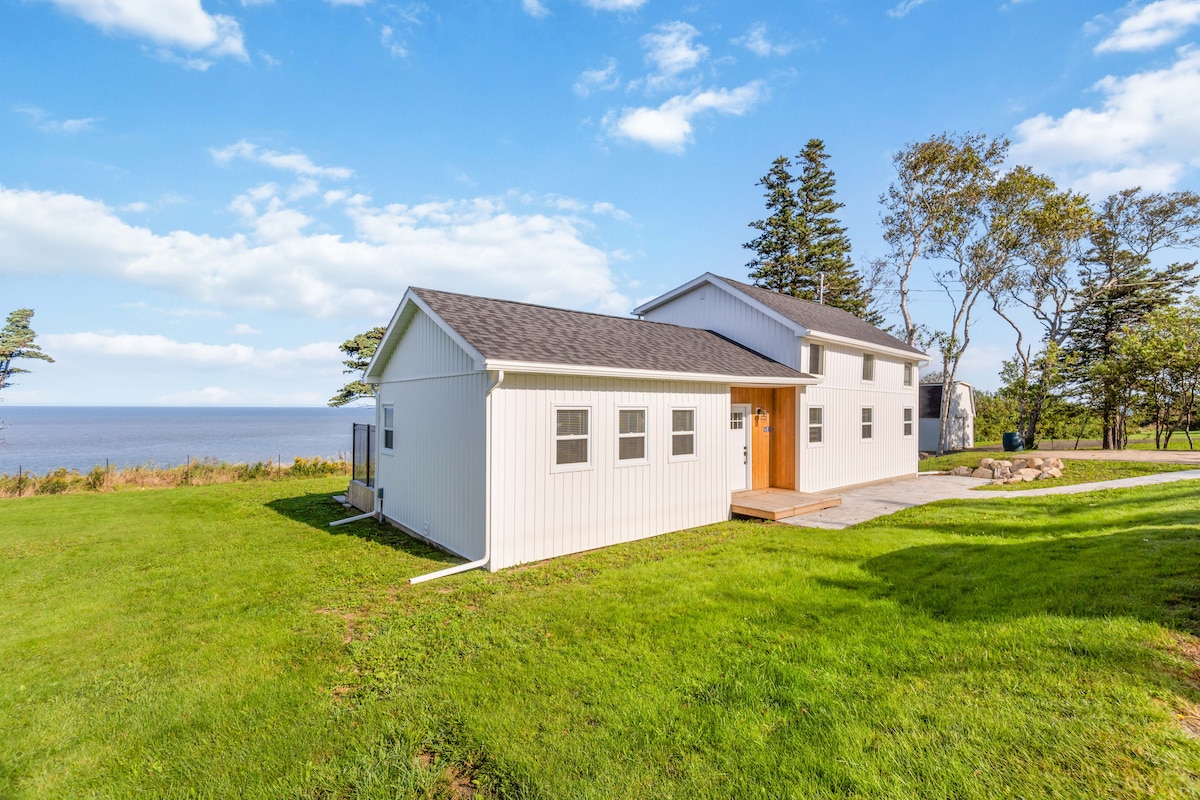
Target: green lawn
x,y
1077,470
223,642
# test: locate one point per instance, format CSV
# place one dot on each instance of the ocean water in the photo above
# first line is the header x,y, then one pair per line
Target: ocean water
x,y
42,438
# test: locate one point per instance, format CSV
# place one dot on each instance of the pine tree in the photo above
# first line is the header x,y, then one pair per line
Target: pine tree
x,y
803,249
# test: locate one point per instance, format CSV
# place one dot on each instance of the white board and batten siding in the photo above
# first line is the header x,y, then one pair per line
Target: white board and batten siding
x,y
712,308
540,512
844,457
434,476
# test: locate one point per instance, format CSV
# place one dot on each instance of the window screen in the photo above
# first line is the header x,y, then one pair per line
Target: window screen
x,y
816,357
571,435
683,432
868,367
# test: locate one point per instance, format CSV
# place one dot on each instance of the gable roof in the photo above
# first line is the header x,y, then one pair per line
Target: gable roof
x,y
508,334
812,318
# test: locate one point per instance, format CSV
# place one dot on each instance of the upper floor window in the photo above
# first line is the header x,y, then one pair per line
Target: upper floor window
x,y
816,359
908,373
868,367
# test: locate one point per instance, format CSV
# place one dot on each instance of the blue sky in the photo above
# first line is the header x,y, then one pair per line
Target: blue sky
x,y
202,198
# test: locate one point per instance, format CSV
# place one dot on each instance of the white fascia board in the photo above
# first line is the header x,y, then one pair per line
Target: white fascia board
x,y
817,336
396,328
671,295
643,374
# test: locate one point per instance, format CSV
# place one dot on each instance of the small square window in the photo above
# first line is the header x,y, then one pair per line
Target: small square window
x,y
683,432
816,425
868,367
868,423
908,422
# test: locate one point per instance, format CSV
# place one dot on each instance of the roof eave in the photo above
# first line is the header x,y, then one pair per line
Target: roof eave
x,y
593,371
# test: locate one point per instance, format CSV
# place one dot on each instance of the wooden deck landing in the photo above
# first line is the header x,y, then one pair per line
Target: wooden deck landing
x,y
776,504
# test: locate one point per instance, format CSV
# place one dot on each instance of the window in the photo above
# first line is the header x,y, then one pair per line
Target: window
x,y
389,416
908,373
868,367
816,425
908,422
816,358
683,432
868,423
631,434
571,437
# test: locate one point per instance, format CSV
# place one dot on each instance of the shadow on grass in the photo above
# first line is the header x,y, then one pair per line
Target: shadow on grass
x,y
1151,574
318,510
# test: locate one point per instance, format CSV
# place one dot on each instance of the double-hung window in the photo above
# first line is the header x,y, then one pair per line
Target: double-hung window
x,y
683,433
389,427
572,438
816,425
816,357
868,423
868,367
631,435
908,422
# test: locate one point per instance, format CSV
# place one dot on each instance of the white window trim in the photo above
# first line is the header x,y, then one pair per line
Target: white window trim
x,y
911,422
871,358
872,423
554,439
693,456
808,426
909,369
645,434
384,429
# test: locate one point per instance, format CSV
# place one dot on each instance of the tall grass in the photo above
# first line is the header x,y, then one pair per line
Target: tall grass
x,y
201,472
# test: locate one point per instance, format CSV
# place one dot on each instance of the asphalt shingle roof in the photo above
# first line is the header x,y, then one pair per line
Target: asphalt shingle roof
x,y
821,318
510,331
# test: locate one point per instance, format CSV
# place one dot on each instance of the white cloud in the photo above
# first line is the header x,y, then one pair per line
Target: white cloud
x,y
535,8
614,5
292,162
242,329
902,8
757,42
672,50
1153,25
137,207
46,124
154,347
600,79
669,127
398,48
1147,127
476,245
170,23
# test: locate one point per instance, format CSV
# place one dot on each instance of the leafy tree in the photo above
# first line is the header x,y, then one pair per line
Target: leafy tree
x,y
1123,288
935,181
17,342
802,249
361,349
1161,357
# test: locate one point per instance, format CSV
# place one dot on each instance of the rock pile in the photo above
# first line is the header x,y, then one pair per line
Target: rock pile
x,y
1030,468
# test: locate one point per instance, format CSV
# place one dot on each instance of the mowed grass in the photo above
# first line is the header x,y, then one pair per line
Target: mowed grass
x,y
223,642
1076,471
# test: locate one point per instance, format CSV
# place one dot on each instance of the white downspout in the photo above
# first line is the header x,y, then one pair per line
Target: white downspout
x,y
372,514
487,507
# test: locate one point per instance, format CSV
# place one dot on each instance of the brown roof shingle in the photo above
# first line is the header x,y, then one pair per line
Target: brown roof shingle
x,y
821,318
509,331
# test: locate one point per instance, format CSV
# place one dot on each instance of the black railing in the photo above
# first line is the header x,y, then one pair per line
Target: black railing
x,y
364,454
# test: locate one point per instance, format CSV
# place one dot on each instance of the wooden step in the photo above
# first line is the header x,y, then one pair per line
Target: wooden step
x,y
775,504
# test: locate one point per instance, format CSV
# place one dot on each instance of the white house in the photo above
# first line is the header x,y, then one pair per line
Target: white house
x,y
510,432
960,433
